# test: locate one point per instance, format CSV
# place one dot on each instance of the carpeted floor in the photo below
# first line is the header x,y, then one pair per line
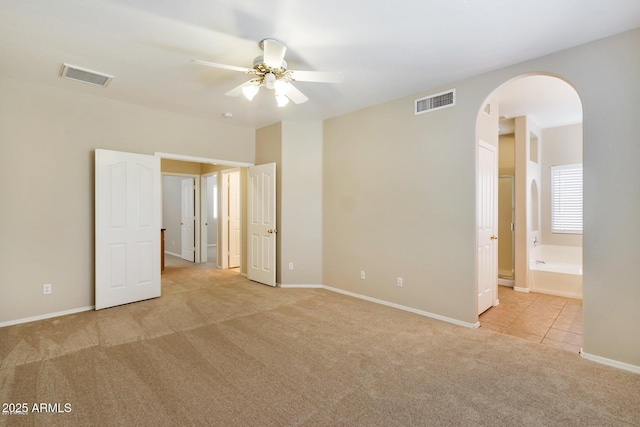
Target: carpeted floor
x,y
219,350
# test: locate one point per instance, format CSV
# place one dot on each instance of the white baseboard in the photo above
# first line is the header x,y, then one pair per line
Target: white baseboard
x,y
171,253
46,316
506,282
519,289
405,308
610,362
300,286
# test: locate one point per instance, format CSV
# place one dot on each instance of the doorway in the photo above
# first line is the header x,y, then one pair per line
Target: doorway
x,y
506,216
208,206
210,212
539,121
179,219
230,217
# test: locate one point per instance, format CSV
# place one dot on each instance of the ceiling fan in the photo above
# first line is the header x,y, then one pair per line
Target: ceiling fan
x,y
270,70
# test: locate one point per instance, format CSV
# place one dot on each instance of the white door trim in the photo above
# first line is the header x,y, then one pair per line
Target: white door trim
x,y
202,160
223,255
494,288
204,211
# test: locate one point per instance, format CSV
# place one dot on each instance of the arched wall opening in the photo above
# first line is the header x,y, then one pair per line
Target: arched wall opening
x,y
535,122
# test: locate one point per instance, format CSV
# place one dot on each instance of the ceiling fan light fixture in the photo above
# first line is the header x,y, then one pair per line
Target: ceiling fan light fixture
x,y
269,80
281,87
282,100
250,91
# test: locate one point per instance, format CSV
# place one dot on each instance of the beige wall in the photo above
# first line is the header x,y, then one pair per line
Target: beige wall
x,y
296,149
527,201
418,220
301,229
172,213
415,220
46,228
560,146
507,155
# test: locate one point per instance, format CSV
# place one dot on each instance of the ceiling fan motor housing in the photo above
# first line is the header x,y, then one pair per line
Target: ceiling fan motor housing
x,y
259,65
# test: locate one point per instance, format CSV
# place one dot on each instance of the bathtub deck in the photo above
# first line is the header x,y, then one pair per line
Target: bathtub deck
x,y
546,319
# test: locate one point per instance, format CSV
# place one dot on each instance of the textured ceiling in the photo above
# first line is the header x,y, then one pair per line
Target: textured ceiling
x,y
385,50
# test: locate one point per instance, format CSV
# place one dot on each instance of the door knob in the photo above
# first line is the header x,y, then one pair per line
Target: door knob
x,y
271,231
494,237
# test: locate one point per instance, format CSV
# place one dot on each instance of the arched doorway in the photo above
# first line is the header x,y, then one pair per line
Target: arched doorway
x,y
534,122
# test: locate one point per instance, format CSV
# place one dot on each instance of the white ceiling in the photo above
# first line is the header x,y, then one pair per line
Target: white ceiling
x,y
386,50
548,101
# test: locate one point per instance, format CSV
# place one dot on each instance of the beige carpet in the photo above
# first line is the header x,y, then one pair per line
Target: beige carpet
x,y
219,350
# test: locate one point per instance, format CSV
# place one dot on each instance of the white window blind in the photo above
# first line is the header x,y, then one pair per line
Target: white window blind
x,y
566,199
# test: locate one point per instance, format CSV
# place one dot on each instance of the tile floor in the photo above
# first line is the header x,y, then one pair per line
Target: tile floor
x,y
541,318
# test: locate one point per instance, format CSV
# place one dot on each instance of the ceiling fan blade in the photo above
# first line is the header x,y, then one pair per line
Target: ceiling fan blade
x,y
273,53
295,95
237,91
226,67
317,76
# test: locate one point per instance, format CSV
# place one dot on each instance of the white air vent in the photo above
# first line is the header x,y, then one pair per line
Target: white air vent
x,y
83,75
435,102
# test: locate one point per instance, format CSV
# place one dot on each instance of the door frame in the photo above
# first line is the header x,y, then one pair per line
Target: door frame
x,y
224,208
195,159
494,290
204,210
196,210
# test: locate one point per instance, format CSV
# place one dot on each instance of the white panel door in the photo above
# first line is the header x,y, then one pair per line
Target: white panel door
x,y
262,224
234,219
127,227
487,223
188,220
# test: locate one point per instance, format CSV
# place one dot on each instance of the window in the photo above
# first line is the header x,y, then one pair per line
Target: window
x,y
566,199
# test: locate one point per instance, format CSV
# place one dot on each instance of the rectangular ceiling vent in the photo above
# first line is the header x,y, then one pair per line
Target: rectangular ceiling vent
x,y
435,102
83,75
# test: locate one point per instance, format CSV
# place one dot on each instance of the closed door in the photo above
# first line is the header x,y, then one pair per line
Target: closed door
x,y
188,220
127,227
262,224
487,225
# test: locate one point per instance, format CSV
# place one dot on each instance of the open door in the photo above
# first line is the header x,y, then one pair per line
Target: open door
x,y
262,224
487,223
234,219
188,220
127,228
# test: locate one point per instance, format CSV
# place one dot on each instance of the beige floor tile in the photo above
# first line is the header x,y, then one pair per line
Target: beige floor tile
x,y
492,327
535,328
546,319
570,326
562,345
541,320
564,336
551,300
524,335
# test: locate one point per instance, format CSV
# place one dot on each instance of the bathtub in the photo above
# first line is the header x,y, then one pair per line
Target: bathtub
x,y
556,270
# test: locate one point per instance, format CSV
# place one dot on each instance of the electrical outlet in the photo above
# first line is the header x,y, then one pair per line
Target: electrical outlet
x,y
290,266
362,276
399,281
46,289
